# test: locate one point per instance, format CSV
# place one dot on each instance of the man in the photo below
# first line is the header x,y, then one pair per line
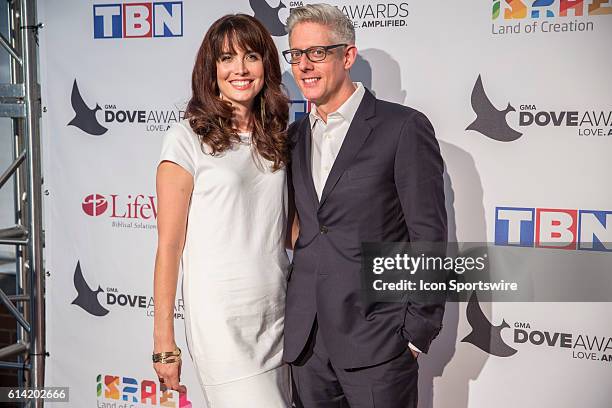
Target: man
x,y
362,170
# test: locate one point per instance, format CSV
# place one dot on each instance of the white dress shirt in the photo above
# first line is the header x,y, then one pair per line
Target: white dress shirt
x,y
327,139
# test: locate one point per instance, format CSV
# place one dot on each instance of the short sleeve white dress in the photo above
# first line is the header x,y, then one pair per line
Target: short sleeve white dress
x,y
234,271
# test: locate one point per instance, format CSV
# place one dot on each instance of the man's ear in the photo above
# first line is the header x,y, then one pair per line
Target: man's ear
x,y
350,55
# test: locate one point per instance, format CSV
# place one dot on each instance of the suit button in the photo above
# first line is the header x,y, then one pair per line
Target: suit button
x,y
323,229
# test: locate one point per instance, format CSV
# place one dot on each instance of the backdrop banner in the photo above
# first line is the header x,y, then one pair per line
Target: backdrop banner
x,y
519,93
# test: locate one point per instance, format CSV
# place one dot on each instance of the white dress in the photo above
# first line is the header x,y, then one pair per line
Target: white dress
x,y
234,271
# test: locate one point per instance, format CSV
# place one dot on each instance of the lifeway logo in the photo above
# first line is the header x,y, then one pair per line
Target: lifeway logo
x,y
587,230
136,211
365,15
88,299
546,16
145,392
493,123
488,338
86,118
138,20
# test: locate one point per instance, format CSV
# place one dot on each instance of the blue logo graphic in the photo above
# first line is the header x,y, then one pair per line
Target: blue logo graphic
x,y
138,20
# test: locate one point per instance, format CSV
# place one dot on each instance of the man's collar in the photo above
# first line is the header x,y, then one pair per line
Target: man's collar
x,y
347,110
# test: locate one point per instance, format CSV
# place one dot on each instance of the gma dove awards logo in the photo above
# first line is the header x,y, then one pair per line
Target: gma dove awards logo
x,y
88,299
488,338
87,120
390,14
505,125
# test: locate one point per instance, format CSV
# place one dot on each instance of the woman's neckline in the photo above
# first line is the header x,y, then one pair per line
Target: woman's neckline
x,y
245,137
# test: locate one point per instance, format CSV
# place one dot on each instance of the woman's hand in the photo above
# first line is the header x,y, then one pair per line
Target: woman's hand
x,y
169,375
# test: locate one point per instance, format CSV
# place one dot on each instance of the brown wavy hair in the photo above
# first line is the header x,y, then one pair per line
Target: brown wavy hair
x,y
210,117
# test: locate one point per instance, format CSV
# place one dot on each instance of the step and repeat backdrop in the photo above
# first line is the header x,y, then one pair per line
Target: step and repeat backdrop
x,y
519,93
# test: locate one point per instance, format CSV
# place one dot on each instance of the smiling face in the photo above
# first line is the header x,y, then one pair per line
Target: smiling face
x,y
324,82
240,75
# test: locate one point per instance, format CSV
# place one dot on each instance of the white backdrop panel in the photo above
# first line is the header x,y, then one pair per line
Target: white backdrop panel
x,y
100,208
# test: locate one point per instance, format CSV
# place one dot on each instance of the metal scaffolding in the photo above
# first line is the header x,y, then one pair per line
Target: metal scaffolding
x,y
20,101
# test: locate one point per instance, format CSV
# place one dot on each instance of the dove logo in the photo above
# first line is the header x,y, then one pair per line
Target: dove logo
x,y
268,16
484,335
138,20
94,205
490,121
152,120
87,299
84,117
488,338
588,230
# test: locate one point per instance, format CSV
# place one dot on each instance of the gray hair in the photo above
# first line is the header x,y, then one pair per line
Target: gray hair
x,y
341,27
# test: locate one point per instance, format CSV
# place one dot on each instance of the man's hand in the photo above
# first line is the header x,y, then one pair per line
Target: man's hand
x,y
414,353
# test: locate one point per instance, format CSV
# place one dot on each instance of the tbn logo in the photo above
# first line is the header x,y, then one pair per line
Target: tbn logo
x,y
588,230
138,20
517,9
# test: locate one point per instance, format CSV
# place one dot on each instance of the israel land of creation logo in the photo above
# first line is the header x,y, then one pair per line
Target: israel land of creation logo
x,y
89,121
517,120
99,302
517,17
488,338
129,391
138,20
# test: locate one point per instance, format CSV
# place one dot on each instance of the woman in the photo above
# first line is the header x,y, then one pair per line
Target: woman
x,y
222,204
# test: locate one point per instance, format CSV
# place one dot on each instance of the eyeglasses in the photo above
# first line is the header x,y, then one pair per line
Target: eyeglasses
x,y
314,54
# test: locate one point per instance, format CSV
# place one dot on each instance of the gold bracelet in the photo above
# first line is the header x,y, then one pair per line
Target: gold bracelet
x,y
166,357
168,360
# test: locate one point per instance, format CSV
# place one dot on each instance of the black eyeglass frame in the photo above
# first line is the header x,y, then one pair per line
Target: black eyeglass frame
x,y
326,48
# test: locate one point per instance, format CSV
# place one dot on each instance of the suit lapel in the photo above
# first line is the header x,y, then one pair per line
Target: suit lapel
x,y
358,132
306,162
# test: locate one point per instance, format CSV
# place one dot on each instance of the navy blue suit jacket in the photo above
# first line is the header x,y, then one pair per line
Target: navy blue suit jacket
x,y
385,185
